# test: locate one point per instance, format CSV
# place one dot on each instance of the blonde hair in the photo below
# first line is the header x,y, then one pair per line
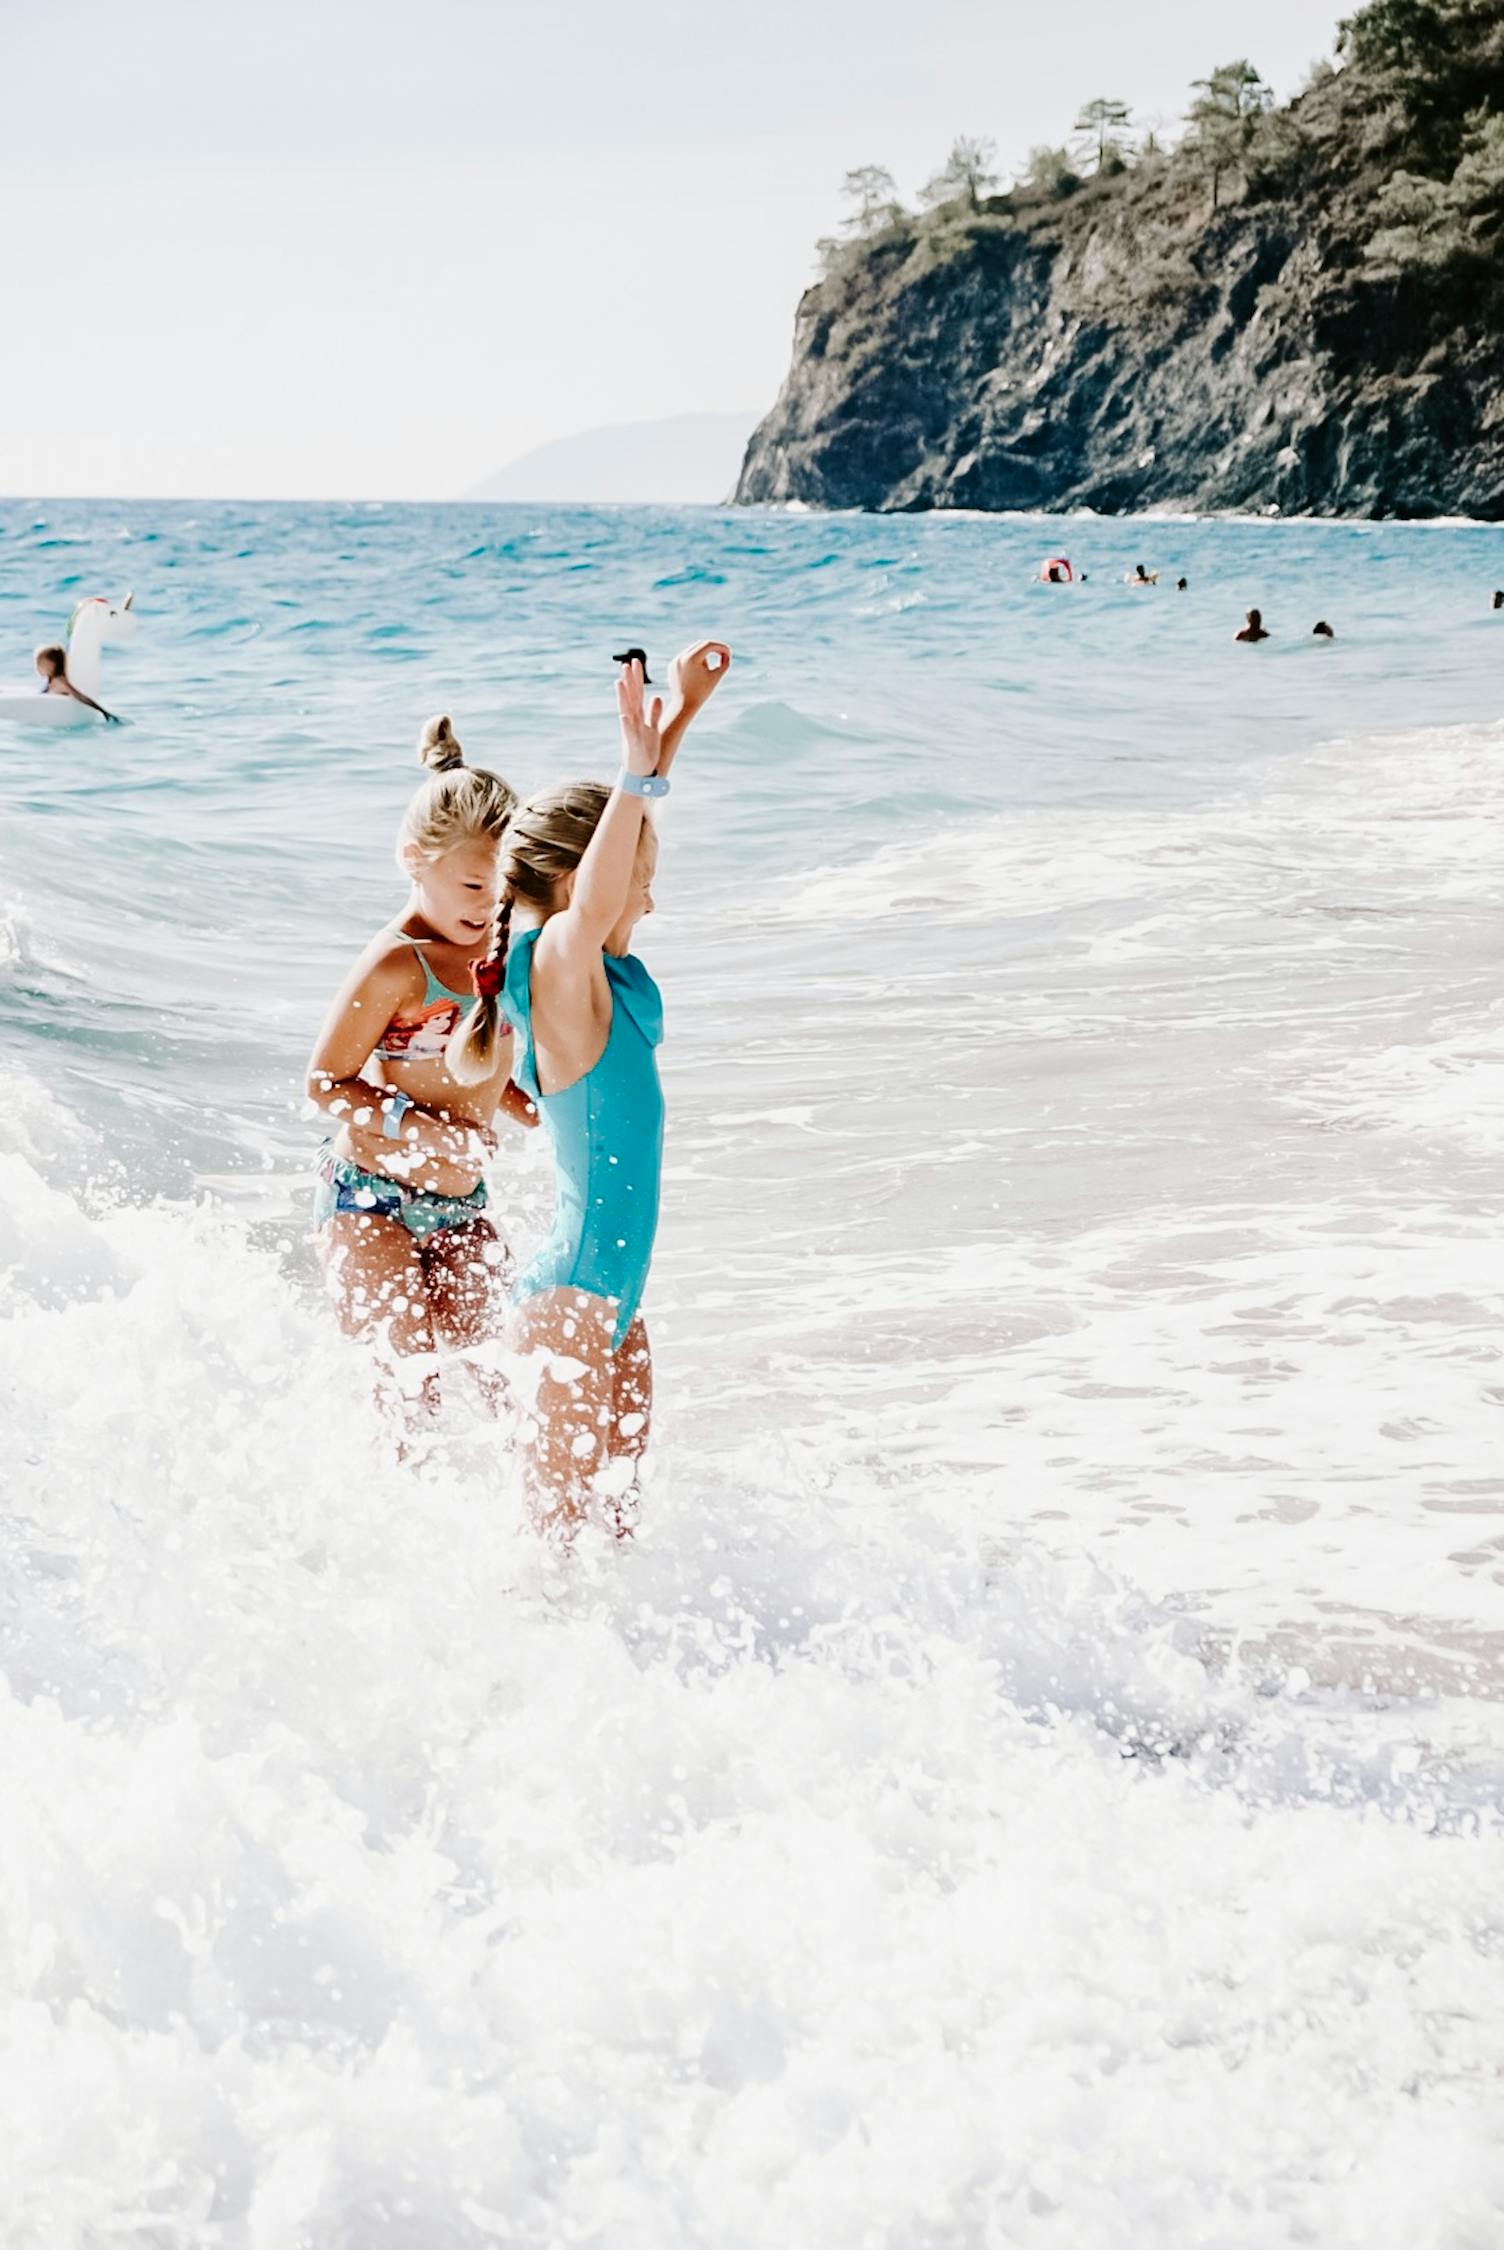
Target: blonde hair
x,y
458,804
545,841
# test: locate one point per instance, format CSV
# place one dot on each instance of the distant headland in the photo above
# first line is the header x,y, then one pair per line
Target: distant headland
x,y
1293,309
685,459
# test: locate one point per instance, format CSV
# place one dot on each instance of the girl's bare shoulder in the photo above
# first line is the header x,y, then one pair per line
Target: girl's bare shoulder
x,y
390,954
386,969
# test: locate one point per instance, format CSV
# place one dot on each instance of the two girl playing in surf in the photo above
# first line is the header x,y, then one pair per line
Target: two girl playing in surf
x,y
507,987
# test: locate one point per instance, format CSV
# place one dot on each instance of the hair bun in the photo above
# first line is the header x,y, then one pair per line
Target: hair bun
x,y
437,747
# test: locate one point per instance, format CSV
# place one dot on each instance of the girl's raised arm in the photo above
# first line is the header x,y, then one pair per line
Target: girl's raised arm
x,y
599,891
693,678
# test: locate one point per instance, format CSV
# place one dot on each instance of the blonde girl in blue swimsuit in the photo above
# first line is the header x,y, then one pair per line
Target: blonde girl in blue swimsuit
x,y
411,1257
583,1020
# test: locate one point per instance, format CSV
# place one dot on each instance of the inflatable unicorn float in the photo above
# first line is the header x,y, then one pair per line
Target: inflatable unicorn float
x,y
94,622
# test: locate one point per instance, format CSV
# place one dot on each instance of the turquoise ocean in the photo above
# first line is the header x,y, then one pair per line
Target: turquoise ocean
x,y
1035,1777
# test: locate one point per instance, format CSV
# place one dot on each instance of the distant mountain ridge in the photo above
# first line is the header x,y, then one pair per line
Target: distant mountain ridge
x,y
683,460
1324,337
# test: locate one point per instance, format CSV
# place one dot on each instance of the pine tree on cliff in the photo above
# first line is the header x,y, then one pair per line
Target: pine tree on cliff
x,y
1101,131
966,175
1224,119
872,193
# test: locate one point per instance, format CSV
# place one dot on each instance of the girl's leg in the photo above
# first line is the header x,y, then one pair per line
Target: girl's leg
x,y
631,1422
465,1274
632,1395
569,1410
375,1278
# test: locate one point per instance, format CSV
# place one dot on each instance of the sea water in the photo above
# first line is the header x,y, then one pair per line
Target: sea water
x,y
1034,1778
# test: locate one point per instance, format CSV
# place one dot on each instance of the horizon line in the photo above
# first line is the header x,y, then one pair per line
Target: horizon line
x,y
329,500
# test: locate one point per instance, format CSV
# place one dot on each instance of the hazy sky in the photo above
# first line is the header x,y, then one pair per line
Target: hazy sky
x,y
377,247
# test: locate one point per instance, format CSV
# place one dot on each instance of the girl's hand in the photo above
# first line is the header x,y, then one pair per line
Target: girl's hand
x,y
641,747
430,1144
697,672
694,676
515,1104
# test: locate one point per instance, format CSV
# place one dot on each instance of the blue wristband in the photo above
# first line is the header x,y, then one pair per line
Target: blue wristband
x,y
392,1114
642,784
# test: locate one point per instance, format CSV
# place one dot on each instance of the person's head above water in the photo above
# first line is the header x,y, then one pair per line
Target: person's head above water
x,y
1255,618
1322,631
449,843
635,656
1181,585
1499,598
1139,571
545,842
51,660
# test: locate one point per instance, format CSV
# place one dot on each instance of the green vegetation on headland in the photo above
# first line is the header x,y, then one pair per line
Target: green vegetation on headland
x,y
1293,308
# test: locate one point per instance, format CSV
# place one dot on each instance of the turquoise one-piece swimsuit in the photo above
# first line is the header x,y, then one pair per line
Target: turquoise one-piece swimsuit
x,y
607,1133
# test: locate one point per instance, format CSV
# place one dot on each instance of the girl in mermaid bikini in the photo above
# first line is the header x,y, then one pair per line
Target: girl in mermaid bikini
x,y
411,1256
578,1019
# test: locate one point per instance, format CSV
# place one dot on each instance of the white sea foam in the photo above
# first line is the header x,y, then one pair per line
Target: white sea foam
x,y
817,1869
1394,807
1179,1217
14,933
36,1126
1451,1086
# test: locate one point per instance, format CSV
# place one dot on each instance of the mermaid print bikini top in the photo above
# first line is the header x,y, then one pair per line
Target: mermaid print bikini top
x,y
423,1037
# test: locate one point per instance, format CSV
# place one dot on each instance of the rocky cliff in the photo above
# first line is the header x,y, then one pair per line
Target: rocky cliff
x,y
1127,345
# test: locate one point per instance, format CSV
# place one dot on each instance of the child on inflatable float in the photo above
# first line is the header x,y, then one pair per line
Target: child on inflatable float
x,y
51,661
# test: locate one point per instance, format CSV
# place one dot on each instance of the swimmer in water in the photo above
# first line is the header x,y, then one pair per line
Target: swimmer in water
x,y
1321,631
635,656
1499,598
1181,585
52,663
577,869
1254,629
412,1259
